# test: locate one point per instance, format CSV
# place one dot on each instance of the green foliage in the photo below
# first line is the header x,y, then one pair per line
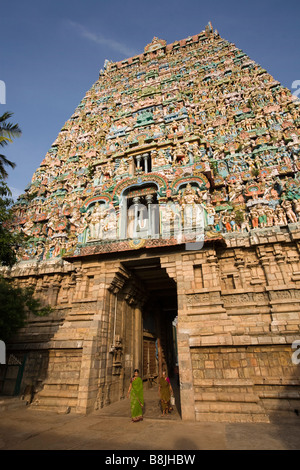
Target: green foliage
x,y
8,240
8,131
15,303
15,306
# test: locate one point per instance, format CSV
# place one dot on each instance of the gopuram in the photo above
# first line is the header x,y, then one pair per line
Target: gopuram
x,y
163,229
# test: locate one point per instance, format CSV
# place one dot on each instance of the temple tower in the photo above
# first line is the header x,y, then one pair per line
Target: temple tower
x,y
163,229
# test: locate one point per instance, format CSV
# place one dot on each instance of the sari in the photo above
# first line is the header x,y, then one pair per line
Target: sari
x,y
165,393
136,399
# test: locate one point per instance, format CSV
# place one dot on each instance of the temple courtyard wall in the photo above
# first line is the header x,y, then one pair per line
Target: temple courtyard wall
x,y
238,317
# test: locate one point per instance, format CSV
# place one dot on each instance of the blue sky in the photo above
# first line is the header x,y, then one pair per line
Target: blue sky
x,y
52,51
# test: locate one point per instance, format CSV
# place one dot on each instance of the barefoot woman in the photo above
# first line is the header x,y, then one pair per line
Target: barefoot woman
x,y
136,397
165,392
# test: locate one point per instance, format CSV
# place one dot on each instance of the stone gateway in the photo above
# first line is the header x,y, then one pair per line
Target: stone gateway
x,y
163,228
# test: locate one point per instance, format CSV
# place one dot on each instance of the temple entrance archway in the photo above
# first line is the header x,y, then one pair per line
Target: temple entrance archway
x,y
159,318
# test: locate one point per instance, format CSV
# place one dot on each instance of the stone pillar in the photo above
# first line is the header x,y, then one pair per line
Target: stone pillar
x,y
123,209
176,267
159,348
138,342
136,202
93,372
131,166
145,157
88,383
149,200
138,161
187,398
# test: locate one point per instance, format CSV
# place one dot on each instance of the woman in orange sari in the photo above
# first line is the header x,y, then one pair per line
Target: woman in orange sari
x,y
165,392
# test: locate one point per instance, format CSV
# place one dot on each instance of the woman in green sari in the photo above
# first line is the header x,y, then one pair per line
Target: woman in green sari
x,y
136,397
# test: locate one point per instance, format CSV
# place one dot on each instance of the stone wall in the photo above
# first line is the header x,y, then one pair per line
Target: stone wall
x,y
238,315
239,307
250,383
89,344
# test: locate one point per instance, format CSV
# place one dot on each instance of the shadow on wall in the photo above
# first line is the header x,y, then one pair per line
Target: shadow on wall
x,y
176,390
27,360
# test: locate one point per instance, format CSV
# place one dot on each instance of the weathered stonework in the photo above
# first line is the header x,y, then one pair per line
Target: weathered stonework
x,y
169,197
238,315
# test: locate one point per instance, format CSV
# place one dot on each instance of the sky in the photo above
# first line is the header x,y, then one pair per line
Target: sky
x,y
52,51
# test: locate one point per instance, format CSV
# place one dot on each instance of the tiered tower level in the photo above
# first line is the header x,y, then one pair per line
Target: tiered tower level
x,y
196,121
169,202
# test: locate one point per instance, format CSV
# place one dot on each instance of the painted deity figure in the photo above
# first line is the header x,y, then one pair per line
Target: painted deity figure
x,y
254,218
75,220
270,216
170,219
123,168
179,155
159,158
245,226
191,208
188,196
235,191
280,216
80,231
262,217
108,171
226,221
95,222
108,224
287,205
98,177
297,206
210,214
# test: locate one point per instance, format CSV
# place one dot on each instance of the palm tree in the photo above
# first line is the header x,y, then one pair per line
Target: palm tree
x,y
8,131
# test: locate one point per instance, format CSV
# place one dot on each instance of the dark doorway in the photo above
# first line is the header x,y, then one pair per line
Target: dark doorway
x,y
11,374
159,321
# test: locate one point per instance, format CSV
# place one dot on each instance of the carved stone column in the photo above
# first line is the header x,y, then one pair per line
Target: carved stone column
x,y
136,202
145,157
149,200
138,161
175,269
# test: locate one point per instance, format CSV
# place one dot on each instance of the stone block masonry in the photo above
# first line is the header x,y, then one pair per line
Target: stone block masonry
x,y
236,324
191,141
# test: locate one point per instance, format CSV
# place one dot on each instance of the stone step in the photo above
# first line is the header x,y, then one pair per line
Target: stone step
x,y
10,403
59,393
54,400
223,396
228,407
60,409
232,417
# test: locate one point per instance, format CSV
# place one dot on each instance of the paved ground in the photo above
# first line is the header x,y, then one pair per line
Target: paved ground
x,y
110,429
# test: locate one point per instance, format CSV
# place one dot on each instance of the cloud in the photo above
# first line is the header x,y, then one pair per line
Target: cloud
x,y
102,41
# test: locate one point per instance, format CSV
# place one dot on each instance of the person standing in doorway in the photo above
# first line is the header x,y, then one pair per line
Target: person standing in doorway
x,y
136,397
165,391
